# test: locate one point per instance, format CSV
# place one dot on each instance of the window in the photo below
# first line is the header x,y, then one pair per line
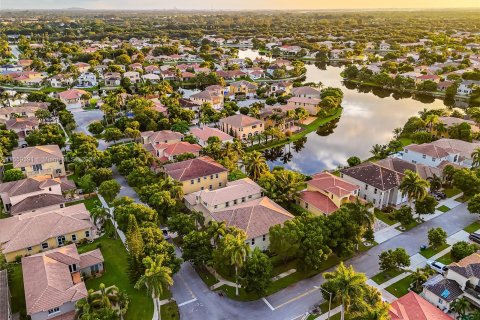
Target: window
x,y
49,189
74,237
306,205
29,249
198,180
219,184
365,197
37,167
72,268
87,233
434,159
211,176
205,178
235,201
253,241
202,188
61,240
375,191
192,181
250,197
215,206
366,187
227,204
374,201
53,311
61,205
424,156
210,187
264,237
216,176
243,199
45,245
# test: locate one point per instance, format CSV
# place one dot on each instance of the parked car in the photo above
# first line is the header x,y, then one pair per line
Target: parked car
x,y
437,266
440,195
166,235
475,237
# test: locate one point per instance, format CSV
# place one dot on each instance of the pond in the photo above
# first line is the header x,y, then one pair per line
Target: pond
x,y
369,117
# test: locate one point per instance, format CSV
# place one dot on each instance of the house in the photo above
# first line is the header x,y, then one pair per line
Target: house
x,y
255,217
242,126
463,148
34,232
39,160
152,69
378,184
5,301
413,307
53,281
60,81
427,77
466,87
133,76
14,193
312,105
384,46
202,135
306,92
82,67
206,96
22,127
170,151
271,114
190,105
198,174
399,165
72,97
282,87
161,137
243,87
153,78
136,66
26,110
448,122
87,80
112,79
325,193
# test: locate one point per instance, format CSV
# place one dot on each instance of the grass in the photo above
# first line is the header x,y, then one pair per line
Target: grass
x,y
443,208
409,226
90,202
385,217
16,289
405,141
472,227
400,288
451,192
430,251
306,129
116,273
463,198
206,276
74,178
384,276
169,311
446,259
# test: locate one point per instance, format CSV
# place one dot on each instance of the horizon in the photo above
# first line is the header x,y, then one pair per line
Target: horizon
x,y
250,5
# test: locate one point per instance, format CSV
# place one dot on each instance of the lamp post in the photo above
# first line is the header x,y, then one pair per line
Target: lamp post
x,y
329,301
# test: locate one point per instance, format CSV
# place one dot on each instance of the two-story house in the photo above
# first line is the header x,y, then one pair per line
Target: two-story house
x,y
22,127
39,160
449,122
160,137
306,92
243,87
87,80
312,105
378,185
202,134
72,98
26,110
198,174
34,232
242,126
53,281
170,151
133,76
215,99
326,193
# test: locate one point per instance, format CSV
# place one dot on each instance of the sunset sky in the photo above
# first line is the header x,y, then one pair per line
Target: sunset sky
x,y
234,5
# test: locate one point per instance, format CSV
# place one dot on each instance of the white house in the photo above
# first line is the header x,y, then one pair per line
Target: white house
x,y
86,80
134,76
467,86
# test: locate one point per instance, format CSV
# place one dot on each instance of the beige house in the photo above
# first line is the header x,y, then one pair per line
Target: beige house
x,y
34,232
326,193
22,127
249,89
133,76
242,126
72,97
312,105
215,99
26,110
159,137
198,174
53,281
39,160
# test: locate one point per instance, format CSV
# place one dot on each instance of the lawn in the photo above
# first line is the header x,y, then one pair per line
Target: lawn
x,y
451,192
16,289
384,276
446,259
116,273
472,227
169,311
405,141
206,276
430,251
400,288
385,217
409,226
89,202
443,208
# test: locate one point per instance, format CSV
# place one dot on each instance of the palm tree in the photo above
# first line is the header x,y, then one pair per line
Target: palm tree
x,y
379,311
157,276
476,157
435,182
414,187
255,164
217,230
397,132
363,214
237,250
377,150
346,284
105,296
431,120
100,215
419,277
461,306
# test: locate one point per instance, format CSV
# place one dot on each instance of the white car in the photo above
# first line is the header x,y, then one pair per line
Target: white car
x,y
166,235
437,266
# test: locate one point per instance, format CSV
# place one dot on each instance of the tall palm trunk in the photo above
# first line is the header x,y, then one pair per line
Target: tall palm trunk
x,y
236,280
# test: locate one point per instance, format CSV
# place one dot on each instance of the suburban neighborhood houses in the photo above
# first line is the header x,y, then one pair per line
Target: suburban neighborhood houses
x,y
177,164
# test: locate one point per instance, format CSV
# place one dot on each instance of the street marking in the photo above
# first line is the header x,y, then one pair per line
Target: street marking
x,y
187,286
268,304
297,297
187,302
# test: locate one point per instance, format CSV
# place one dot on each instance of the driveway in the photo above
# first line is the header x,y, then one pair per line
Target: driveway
x,y
196,301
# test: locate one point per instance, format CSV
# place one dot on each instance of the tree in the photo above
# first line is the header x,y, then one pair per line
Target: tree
x,y
437,237
282,185
157,276
255,164
182,223
461,306
109,189
467,181
435,183
257,273
112,134
237,250
87,184
197,248
345,284
413,186
394,259
462,249
404,215
13,175
474,204
426,206
285,240
96,127
476,157
105,296
353,161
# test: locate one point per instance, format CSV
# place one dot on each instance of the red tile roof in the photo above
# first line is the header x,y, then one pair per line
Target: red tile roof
x,y
333,184
413,307
193,168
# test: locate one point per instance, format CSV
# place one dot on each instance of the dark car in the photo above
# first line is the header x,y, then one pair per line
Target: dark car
x,y
475,237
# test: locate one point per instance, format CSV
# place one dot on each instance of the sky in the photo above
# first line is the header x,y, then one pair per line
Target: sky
x,y
235,5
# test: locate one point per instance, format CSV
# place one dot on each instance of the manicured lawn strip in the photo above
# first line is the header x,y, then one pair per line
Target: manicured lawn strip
x,y
462,199
280,267
400,288
405,141
206,276
451,192
472,227
384,276
410,226
116,273
16,289
385,217
89,202
306,129
445,259
443,208
169,311
324,305
430,252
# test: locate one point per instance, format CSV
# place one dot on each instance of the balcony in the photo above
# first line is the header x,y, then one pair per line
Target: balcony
x,y
472,293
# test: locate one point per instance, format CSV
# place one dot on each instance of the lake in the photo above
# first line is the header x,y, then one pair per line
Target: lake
x,y
368,117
